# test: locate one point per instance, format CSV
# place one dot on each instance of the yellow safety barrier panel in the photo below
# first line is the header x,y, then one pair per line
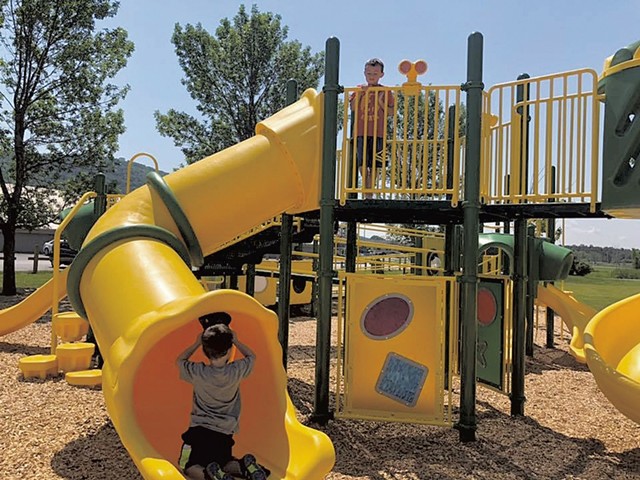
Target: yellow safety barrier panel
x,y
394,350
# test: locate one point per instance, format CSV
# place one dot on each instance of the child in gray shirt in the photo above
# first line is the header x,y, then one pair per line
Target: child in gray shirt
x,y
216,406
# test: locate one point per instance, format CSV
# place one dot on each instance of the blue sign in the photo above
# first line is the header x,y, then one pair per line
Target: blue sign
x,y
401,379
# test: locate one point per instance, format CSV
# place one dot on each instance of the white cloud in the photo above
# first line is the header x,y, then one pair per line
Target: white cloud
x,y
604,232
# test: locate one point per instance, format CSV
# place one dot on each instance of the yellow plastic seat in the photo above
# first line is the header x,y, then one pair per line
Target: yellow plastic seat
x,y
38,366
69,326
73,357
84,378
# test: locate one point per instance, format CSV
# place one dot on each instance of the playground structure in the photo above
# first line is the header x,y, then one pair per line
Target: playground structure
x,y
530,150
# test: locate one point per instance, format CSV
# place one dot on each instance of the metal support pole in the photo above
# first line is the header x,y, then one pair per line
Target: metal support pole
x,y
99,207
471,212
100,202
250,287
532,280
522,95
421,258
286,252
284,284
450,250
314,284
327,199
551,235
450,245
351,250
519,316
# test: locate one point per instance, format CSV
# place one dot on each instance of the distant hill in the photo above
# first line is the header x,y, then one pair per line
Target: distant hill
x,y
119,175
138,175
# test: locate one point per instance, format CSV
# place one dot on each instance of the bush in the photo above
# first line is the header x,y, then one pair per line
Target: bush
x,y
626,273
580,268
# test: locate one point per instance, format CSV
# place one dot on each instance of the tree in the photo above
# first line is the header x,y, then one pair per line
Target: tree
x,y
57,107
422,125
237,77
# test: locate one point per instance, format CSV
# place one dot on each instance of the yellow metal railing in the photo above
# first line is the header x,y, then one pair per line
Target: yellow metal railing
x,y
542,124
402,254
130,165
419,156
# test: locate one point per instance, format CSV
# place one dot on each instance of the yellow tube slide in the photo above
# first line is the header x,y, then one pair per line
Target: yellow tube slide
x,y
574,314
612,346
143,301
31,308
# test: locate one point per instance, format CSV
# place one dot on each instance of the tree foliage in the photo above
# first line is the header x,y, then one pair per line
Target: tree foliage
x,y
237,77
420,159
580,268
607,255
422,125
58,109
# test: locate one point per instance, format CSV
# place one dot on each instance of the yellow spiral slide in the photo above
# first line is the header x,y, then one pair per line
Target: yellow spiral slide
x,y
133,282
608,341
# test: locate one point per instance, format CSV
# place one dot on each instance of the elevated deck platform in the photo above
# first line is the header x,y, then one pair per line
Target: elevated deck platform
x,y
442,212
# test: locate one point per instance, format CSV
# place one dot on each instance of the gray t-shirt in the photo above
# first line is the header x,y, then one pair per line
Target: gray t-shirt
x,y
216,393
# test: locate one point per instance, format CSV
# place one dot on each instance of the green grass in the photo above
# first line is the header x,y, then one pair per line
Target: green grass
x,y
599,290
30,280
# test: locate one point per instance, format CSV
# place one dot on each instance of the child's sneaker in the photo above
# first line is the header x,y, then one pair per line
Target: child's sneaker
x,y
214,472
250,468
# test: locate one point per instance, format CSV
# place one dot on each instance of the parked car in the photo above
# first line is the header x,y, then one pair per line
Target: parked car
x,y
67,254
47,248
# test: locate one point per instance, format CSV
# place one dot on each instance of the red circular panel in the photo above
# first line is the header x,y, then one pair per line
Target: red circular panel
x,y
421,67
404,67
487,307
387,317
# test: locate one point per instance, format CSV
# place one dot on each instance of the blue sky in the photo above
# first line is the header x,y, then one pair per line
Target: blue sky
x,y
537,37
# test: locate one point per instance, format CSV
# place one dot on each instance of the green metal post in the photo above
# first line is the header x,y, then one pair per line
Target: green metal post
x,y
286,252
99,207
471,211
449,229
327,200
519,316
522,95
451,250
100,203
250,286
351,250
420,258
506,227
314,285
532,284
551,235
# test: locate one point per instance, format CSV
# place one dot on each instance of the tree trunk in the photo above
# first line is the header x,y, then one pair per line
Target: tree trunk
x,y
9,263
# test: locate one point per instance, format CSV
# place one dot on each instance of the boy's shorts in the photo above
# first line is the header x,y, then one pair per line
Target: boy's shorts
x,y
370,153
208,446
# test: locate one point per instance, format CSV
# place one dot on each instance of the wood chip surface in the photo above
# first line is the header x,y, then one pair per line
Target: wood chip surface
x,y
50,430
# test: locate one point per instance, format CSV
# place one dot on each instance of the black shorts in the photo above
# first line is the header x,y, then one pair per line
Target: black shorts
x,y
369,153
208,446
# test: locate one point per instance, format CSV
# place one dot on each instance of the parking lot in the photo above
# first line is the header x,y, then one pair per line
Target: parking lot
x,y
23,264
